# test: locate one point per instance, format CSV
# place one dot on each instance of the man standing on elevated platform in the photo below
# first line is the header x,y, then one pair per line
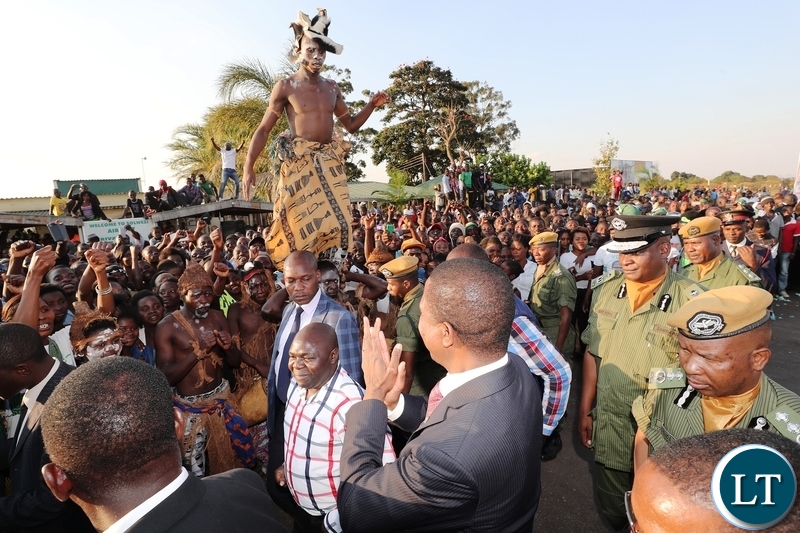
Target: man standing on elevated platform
x,y
312,211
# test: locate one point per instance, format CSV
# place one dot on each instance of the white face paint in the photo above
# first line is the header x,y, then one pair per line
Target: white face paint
x,y
201,311
312,55
107,343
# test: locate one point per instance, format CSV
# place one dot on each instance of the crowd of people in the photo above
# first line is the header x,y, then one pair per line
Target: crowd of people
x,y
274,370
194,381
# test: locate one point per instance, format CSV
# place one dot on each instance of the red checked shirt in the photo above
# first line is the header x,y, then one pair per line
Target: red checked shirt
x,y
313,437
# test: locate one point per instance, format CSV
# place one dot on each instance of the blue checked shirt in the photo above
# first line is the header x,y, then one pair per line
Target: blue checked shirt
x,y
545,361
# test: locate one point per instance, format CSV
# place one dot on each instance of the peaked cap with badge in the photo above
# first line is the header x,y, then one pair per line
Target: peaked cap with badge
x,y
736,216
411,243
637,232
722,313
700,227
317,29
545,237
400,267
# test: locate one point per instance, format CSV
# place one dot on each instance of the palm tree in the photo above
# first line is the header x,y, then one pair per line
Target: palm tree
x,y
245,87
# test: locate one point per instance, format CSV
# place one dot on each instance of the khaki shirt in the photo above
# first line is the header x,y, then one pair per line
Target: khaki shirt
x,y
727,273
626,345
663,421
554,290
427,372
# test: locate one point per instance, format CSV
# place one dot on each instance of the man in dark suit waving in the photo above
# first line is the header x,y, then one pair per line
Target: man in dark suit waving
x,y
473,459
25,365
112,433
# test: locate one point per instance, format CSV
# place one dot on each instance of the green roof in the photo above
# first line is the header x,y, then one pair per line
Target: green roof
x,y
426,188
364,191
110,186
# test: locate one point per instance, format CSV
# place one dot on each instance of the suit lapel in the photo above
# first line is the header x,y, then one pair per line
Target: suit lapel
x,y
173,509
35,412
323,306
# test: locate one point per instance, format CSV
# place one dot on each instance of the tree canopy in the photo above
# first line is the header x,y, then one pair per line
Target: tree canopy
x,y
434,120
245,87
602,165
517,170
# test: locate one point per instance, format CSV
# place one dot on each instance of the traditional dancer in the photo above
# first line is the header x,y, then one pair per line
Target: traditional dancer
x,y
313,206
190,346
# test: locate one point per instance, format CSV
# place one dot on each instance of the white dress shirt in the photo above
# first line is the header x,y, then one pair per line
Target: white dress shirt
x,y
452,381
305,319
734,248
32,394
135,514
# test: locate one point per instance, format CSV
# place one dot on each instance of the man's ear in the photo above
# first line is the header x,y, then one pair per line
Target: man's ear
x,y
57,481
760,358
334,355
180,423
448,334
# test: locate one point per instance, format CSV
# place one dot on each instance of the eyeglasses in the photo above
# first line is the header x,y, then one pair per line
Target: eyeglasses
x,y
629,512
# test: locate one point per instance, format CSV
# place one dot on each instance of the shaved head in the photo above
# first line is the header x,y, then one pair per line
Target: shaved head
x,y
477,299
468,250
321,335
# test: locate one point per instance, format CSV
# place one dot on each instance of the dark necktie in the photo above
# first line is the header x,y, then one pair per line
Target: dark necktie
x,y
284,376
434,399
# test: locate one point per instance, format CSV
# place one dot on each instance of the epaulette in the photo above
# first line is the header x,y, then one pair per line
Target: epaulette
x,y
596,282
749,274
786,421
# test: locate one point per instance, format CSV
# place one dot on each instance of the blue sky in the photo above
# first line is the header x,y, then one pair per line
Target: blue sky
x,y
91,87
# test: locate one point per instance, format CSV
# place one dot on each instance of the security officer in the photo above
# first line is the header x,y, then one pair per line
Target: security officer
x,y
553,293
710,267
627,335
422,372
724,336
758,258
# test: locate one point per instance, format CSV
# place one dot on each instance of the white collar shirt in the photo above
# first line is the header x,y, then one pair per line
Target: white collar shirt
x,y
138,512
305,319
32,394
452,381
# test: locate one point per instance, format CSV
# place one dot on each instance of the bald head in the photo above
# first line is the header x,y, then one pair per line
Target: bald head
x,y
301,259
468,250
477,299
320,335
314,356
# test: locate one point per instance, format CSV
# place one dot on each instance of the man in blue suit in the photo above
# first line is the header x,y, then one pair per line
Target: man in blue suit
x,y
308,304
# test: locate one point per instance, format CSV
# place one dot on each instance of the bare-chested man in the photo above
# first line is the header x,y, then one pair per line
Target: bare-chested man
x,y
255,337
191,344
313,204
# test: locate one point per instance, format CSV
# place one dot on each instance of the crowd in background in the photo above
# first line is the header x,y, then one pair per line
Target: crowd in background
x,y
95,299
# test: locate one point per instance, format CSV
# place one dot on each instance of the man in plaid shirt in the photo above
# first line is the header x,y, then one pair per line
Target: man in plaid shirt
x,y
320,394
546,363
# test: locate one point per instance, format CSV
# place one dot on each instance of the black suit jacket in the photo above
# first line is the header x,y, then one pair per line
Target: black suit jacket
x,y
31,507
766,266
233,501
473,466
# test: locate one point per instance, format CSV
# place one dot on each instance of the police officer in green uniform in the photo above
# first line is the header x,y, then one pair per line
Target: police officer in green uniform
x,y
422,372
553,293
627,335
710,267
724,336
